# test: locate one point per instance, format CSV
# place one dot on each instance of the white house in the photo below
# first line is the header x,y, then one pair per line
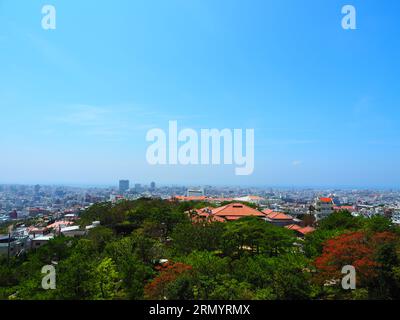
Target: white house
x,y
41,240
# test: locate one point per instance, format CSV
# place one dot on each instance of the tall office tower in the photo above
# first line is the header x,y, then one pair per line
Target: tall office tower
x,y
152,185
123,186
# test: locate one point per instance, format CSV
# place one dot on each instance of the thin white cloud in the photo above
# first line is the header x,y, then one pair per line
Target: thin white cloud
x,y
108,122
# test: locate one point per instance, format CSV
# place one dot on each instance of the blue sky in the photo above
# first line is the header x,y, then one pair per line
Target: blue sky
x,y
76,102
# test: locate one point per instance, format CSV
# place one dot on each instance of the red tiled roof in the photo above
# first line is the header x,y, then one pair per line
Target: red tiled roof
x,y
328,200
267,211
204,211
293,227
230,212
279,216
306,230
237,209
206,214
215,210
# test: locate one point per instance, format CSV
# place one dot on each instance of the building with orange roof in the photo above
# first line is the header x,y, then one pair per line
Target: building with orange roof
x,y
234,211
293,227
324,207
300,231
279,219
306,230
204,211
230,212
204,215
267,211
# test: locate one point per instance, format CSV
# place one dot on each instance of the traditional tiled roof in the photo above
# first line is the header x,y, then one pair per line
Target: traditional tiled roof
x,y
267,211
279,216
293,227
206,214
306,230
237,210
204,211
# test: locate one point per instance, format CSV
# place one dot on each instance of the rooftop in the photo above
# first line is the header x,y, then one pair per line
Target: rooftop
x,y
237,210
279,216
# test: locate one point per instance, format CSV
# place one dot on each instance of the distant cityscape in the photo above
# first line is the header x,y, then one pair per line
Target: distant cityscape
x,y
26,201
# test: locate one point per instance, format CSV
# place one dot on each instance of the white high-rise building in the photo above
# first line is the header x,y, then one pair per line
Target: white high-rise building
x,y
323,207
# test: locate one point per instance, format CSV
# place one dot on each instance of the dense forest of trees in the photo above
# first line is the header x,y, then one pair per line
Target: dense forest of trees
x,y
244,259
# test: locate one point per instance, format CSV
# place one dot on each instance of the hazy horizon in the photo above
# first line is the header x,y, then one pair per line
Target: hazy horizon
x,y
188,185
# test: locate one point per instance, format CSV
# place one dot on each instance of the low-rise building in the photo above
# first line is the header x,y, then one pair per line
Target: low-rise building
x,y
230,212
300,231
41,240
279,219
72,231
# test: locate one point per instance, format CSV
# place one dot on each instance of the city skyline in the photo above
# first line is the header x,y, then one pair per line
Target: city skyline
x,y
321,100
147,184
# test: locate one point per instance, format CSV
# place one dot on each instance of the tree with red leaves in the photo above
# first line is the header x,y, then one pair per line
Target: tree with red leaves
x,y
359,249
168,273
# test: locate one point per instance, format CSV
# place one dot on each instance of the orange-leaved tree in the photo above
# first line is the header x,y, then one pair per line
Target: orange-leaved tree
x,y
359,249
168,273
